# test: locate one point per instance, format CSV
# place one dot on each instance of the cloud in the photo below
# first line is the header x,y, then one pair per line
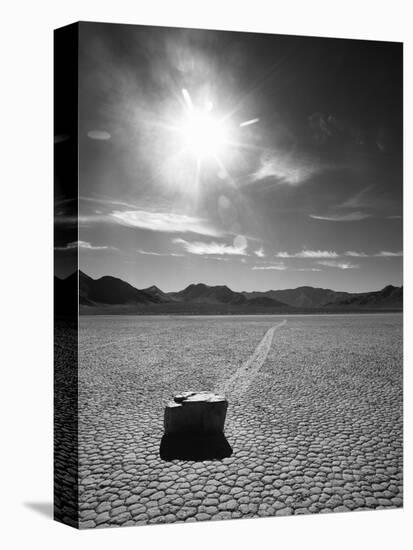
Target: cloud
x,y
82,219
355,254
167,222
307,269
101,135
213,248
387,254
350,217
352,208
106,201
355,208
394,217
359,199
331,254
287,168
309,254
338,265
260,252
83,244
382,254
278,267
149,253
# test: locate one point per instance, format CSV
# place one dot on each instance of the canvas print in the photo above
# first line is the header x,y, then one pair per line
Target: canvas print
x,y
228,275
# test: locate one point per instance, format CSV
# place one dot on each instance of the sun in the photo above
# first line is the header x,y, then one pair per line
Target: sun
x,y
203,134
205,140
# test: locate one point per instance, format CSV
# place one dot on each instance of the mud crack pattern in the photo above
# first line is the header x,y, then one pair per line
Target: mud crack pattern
x,y
317,428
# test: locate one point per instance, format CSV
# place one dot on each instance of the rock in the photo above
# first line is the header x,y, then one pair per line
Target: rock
x,y
195,412
194,428
182,396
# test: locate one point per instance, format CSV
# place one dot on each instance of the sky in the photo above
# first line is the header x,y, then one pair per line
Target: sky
x,y
251,160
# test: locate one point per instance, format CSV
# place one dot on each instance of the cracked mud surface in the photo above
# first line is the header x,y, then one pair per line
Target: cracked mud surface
x,y
318,428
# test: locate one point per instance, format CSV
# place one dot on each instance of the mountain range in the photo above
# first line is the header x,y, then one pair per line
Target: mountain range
x,y
113,296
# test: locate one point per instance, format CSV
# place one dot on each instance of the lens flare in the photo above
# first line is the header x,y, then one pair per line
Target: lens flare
x,y
205,141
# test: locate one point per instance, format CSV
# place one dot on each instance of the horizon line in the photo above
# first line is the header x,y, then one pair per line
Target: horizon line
x,y
78,270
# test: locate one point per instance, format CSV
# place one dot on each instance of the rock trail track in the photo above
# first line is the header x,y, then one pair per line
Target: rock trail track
x,y
239,382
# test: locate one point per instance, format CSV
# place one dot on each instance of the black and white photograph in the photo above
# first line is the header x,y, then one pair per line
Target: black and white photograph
x,y
228,274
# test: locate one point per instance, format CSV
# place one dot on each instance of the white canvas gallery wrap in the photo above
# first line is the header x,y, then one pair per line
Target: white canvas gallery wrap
x,y
29,431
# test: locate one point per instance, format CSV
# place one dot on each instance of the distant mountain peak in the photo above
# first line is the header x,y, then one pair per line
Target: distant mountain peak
x,y
152,288
109,290
157,294
197,285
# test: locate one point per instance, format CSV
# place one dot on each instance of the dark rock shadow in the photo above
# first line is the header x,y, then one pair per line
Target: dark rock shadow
x,y
45,509
194,447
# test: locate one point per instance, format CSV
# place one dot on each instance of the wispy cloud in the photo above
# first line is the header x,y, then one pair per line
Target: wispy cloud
x,y
99,135
355,208
338,265
355,254
308,254
277,267
396,217
307,269
349,217
331,254
382,254
213,248
361,199
132,215
82,219
287,168
83,245
260,252
387,254
167,222
150,253
109,202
